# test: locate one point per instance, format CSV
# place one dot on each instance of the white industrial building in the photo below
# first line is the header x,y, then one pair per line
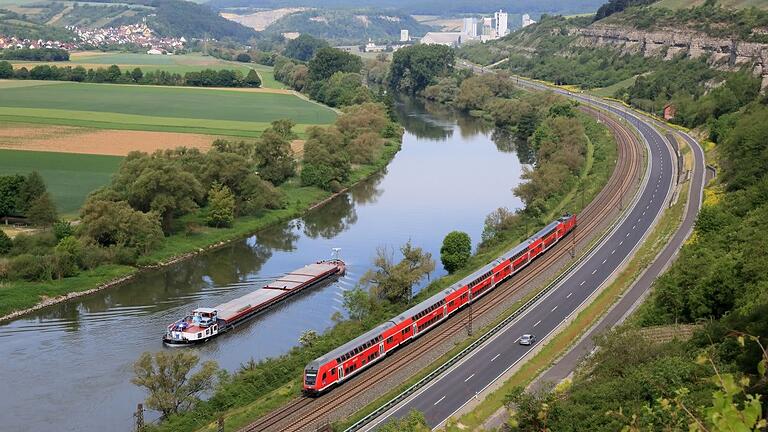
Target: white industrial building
x,y
526,21
451,39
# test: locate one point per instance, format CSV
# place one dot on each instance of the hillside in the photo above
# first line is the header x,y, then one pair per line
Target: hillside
x,y
734,4
165,17
348,26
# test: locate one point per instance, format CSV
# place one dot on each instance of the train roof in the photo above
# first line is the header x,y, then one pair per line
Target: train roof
x,y
418,307
544,230
354,343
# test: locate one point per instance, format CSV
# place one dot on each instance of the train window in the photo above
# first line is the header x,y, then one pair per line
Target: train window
x,y
324,376
333,371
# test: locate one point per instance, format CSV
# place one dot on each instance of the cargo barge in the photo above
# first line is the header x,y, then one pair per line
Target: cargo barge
x,y
205,323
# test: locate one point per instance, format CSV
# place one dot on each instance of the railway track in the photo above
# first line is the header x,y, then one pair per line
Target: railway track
x,y
303,413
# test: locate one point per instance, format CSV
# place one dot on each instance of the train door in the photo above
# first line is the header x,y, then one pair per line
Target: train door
x,y
381,348
414,329
341,372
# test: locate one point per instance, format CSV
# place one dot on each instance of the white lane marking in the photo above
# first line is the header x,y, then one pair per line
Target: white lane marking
x,y
613,251
643,215
627,235
439,400
594,271
537,323
621,242
605,260
569,295
553,309
495,357
469,378
582,283
634,226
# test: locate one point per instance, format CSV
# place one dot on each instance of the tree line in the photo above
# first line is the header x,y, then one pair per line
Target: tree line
x,y
35,54
114,75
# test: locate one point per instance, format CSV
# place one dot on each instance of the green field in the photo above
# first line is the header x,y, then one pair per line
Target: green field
x,y
180,64
69,177
173,109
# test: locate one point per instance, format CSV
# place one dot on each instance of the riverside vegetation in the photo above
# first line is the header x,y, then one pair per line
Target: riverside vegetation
x,y
716,380
161,205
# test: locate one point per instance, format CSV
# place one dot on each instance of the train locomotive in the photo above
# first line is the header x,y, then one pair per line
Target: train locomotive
x,y
356,355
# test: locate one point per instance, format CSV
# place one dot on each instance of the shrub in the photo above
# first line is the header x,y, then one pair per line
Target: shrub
x,y
63,229
5,243
31,268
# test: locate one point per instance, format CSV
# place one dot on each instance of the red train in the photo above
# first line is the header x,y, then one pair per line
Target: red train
x,y
354,356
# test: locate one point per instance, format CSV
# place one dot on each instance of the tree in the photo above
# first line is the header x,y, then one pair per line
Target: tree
x,y
6,70
158,184
497,222
275,157
365,149
10,194
243,58
42,211
456,250
169,380
108,223
413,422
252,79
303,47
328,61
33,187
416,67
5,243
394,282
137,74
325,159
221,206
358,303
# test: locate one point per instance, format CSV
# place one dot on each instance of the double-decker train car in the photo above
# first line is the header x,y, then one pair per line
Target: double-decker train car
x,y
354,356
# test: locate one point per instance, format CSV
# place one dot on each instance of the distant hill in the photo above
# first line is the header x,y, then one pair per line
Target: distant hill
x,y
348,26
166,17
19,25
429,7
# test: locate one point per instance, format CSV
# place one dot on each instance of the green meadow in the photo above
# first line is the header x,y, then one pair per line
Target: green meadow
x,y
172,109
69,177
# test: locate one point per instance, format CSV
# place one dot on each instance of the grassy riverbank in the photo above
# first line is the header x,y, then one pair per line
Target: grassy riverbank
x,y
21,295
259,388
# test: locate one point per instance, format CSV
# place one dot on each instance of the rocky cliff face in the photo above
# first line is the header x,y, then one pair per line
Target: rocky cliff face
x,y
720,53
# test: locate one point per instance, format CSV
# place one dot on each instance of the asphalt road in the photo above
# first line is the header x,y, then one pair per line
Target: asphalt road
x,y
637,291
459,385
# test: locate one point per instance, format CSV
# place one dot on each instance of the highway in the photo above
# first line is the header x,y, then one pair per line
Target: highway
x,y
457,386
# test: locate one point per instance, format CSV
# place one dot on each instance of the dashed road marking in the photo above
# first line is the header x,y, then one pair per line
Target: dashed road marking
x,y
439,400
469,378
594,271
582,283
613,251
495,357
569,295
553,309
537,323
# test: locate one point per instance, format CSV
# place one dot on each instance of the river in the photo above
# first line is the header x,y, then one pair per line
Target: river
x,y
68,367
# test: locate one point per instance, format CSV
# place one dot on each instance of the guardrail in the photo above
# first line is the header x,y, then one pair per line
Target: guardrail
x,y
496,329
